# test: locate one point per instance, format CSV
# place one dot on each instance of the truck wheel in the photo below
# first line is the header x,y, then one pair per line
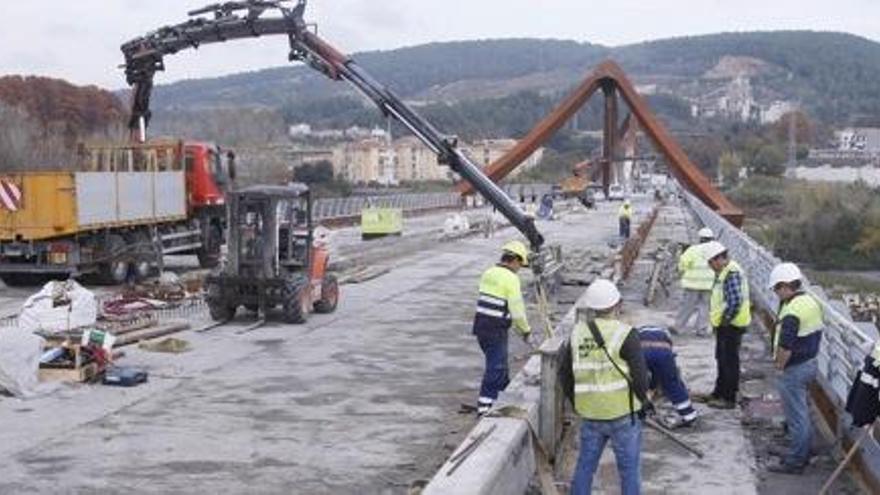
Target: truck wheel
x,y
209,254
329,295
294,309
219,308
26,279
115,271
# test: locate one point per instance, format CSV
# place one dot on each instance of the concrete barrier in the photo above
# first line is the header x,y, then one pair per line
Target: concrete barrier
x,y
505,462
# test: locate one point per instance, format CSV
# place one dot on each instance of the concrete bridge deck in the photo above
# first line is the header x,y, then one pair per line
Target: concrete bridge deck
x,y
365,400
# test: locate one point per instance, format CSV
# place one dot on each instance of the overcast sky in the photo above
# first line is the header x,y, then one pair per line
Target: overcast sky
x,y
79,39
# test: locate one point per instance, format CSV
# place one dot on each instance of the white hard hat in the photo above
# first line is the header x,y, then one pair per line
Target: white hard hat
x,y
713,249
706,233
601,294
784,272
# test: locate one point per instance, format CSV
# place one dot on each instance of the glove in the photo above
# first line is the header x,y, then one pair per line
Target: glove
x,y
525,337
647,411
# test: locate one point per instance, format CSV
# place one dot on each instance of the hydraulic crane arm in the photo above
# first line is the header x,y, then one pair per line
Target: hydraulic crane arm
x,y
244,19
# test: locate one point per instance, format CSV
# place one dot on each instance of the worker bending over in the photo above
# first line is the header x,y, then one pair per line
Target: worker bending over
x,y
500,304
608,384
663,371
696,283
624,218
799,325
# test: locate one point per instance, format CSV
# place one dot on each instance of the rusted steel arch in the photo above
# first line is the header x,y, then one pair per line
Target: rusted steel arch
x,y
608,72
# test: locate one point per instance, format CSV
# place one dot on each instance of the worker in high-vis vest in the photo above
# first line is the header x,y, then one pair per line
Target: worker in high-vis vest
x,y
624,218
607,381
697,278
499,306
796,340
730,315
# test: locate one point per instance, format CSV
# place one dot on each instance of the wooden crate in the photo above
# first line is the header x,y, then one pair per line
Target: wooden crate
x,y
78,371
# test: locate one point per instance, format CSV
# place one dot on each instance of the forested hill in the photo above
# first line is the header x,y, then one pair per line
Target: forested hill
x,y
833,74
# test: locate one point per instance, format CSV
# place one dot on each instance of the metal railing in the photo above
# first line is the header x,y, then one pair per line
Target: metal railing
x,y
333,208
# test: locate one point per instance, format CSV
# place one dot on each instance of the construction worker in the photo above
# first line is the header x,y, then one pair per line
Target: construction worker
x,y
624,218
608,384
863,400
500,303
696,283
798,334
663,372
730,315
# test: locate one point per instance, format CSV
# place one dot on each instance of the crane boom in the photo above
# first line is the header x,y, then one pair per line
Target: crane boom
x,y
144,56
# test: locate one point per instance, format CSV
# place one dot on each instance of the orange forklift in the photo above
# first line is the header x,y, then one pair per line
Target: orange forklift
x,y
273,260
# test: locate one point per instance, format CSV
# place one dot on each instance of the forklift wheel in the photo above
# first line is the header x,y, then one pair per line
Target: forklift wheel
x,y
294,309
329,295
220,312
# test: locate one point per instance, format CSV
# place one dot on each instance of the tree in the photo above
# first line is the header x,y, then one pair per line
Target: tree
x,y
314,173
769,160
730,164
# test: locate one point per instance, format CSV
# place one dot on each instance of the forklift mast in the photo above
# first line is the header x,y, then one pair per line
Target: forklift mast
x,y
144,56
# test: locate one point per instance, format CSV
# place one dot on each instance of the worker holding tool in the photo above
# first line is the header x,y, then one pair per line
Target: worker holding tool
x,y
696,283
499,305
663,372
796,340
730,315
607,382
624,218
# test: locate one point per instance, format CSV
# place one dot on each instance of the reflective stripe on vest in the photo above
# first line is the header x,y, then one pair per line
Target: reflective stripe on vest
x,y
717,304
696,274
600,392
495,285
806,310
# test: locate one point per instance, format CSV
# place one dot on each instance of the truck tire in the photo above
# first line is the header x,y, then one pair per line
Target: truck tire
x,y
209,253
114,271
142,266
329,295
294,309
218,307
27,279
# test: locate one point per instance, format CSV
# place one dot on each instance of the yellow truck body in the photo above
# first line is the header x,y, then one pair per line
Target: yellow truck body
x,y
47,209
58,204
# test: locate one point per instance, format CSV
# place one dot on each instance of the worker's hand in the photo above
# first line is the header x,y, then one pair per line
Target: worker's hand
x,y
534,340
647,411
526,337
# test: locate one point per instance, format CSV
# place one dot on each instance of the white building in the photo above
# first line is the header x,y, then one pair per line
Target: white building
x,y
865,139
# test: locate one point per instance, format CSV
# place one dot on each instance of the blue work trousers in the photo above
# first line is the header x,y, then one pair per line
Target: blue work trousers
x,y
664,374
793,390
623,224
496,374
626,440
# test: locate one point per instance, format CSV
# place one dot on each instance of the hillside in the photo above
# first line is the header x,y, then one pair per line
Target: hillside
x,y
831,74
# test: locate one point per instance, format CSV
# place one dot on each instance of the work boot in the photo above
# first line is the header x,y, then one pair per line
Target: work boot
x,y
682,423
785,468
719,403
